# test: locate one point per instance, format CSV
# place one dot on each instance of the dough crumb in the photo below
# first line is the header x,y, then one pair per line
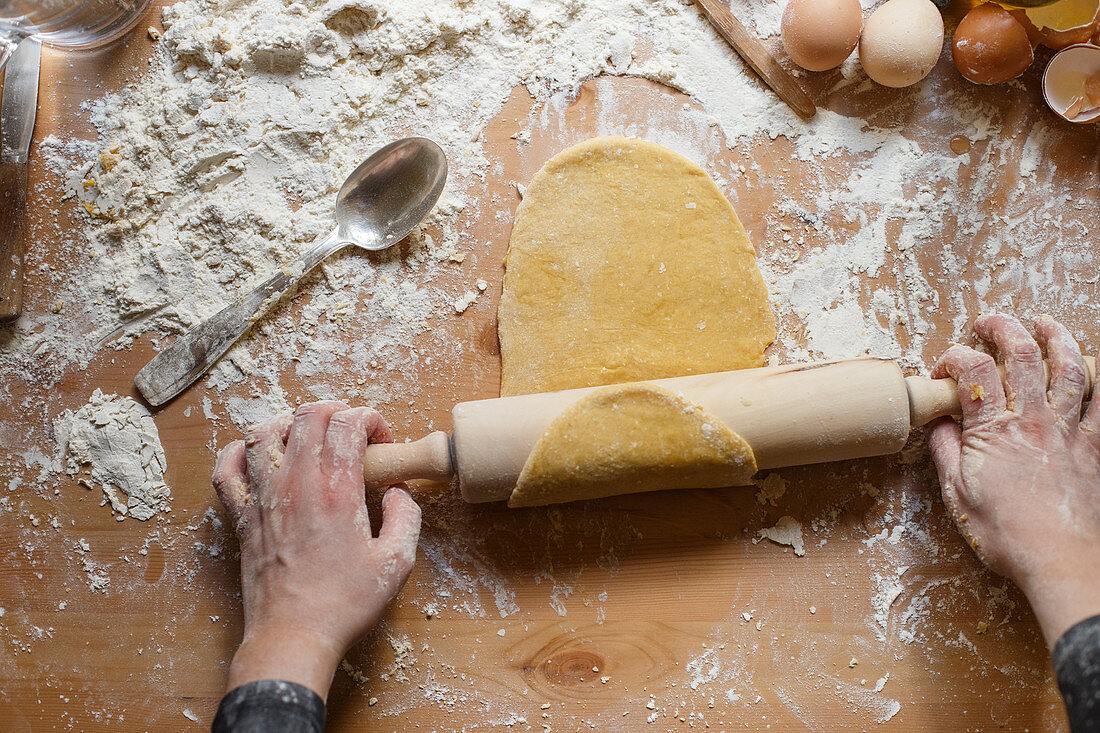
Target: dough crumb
x,y
772,487
465,301
787,531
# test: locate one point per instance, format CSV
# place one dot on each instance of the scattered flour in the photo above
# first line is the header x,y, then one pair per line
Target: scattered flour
x,y
703,669
787,531
117,440
887,590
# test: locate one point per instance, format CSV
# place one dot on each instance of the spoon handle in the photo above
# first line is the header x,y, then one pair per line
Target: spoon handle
x,y
192,354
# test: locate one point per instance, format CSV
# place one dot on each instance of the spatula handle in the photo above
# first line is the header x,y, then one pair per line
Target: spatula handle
x,y
749,48
13,233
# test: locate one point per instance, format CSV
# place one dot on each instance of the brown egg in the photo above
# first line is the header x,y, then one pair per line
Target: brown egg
x,y
820,34
991,46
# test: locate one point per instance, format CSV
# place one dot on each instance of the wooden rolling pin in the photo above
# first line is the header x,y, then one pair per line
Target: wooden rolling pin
x,y
790,415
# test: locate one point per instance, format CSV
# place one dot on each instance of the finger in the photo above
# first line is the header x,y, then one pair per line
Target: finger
x,y
399,534
1025,379
307,433
1090,423
264,447
980,390
1068,375
347,436
945,444
230,479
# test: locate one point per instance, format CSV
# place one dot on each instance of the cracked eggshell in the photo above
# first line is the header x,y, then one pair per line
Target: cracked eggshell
x,y
1061,24
1073,78
820,34
991,46
901,42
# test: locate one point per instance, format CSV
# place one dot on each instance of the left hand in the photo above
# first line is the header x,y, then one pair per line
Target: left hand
x,y
313,579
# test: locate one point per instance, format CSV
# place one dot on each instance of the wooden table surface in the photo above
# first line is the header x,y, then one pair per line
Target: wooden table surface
x,y
593,616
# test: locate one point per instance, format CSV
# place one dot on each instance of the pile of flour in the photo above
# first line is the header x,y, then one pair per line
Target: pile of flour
x,y
117,440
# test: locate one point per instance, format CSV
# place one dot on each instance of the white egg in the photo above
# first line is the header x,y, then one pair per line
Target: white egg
x,y
901,42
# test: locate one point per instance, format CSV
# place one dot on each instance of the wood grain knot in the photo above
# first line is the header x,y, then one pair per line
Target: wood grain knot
x,y
571,667
596,661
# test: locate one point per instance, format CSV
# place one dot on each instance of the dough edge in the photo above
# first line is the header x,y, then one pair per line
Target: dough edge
x,y
631,438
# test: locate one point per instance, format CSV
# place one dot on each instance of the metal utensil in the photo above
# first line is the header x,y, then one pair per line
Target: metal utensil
x,y
378,205
17,113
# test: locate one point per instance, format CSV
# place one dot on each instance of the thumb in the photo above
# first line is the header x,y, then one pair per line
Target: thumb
x,y
398,537
945,444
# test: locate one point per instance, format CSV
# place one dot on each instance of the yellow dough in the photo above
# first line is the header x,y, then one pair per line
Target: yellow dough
x,y
627,263
631,438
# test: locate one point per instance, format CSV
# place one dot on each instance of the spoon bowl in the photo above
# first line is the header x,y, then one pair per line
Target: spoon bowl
x,y
390,193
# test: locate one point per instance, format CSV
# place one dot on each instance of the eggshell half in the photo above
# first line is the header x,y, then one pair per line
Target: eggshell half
x,y
1065,76
1063,23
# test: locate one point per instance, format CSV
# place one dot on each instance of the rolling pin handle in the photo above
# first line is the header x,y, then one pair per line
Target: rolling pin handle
x,y
386,464
932,398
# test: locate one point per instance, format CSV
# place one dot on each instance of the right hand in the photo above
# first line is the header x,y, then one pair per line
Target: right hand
x,y
1021,476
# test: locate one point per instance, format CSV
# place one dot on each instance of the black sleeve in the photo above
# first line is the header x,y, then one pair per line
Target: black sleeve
x,y
1076,660
270,706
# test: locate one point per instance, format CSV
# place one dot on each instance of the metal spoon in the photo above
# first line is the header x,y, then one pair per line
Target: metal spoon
x,y
378,205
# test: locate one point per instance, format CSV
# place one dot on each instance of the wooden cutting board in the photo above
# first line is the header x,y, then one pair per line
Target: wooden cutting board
x,y
595,616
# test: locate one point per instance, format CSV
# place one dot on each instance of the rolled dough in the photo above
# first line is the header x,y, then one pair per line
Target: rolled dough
x,y
631,438
627,263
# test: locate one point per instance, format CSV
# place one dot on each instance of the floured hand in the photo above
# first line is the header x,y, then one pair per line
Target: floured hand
x,y
313,579
1021,476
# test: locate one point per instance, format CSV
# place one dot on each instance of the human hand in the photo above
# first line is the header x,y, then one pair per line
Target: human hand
x,y
313,579
1021,477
